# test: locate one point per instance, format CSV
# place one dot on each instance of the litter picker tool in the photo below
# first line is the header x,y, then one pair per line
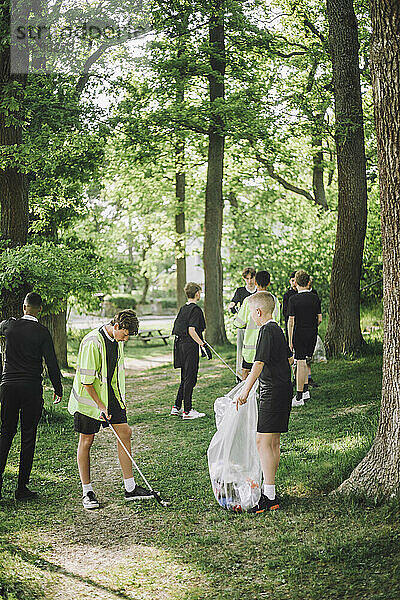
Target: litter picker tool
x,y
225,363
155,494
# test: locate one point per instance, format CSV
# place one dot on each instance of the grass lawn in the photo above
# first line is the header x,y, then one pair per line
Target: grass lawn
x,y
317,546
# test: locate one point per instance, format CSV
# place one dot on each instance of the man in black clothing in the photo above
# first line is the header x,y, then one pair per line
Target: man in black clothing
x,y
304,319
21,393
285,301
188,330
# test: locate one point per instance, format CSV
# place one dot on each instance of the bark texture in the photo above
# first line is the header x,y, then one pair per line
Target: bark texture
x,y
343,334
57,325
213,303
14,210
13,186
378,475
180,244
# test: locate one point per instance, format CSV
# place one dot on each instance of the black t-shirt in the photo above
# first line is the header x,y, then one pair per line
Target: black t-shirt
x,y
285,304
189,315
272,349
112,359
240,294
305,308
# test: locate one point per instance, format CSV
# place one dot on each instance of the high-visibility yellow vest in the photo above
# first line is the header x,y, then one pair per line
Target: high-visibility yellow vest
x,y
92,369
243,320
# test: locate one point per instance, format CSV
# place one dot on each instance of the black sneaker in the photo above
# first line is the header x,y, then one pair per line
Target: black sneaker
x,y
139,493
24,493
90,501
264,505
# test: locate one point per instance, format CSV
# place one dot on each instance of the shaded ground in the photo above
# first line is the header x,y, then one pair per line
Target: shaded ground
x,y
317,547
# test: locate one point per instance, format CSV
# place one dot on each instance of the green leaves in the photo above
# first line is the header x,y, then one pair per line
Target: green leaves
x,y
58,273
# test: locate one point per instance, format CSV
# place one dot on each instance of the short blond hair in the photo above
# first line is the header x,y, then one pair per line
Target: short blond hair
x,y
263,300
191,288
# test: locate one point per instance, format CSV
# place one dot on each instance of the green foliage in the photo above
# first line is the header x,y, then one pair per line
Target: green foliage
x,y
281,235
60,274
113,304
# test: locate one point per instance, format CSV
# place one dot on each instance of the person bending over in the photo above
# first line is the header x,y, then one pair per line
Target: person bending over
x,y
99,387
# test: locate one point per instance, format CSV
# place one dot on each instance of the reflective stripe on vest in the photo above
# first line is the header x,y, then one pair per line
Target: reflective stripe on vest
x,y
83,400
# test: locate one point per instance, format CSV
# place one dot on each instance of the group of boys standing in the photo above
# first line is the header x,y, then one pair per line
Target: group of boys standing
x,y
302,317
98,393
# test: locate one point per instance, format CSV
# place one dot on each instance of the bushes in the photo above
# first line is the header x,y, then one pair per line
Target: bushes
x,y
113,304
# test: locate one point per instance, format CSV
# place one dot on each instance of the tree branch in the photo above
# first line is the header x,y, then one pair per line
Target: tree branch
x,y
286,184
83,79
314,30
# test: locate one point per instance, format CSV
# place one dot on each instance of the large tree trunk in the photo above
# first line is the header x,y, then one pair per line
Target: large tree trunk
x,y
318,163
343,334
180,243
378,475
57,325
213,304
14,212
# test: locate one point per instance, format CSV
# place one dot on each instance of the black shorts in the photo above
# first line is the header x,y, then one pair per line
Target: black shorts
x,y
274,410
89,426
246,365
304,344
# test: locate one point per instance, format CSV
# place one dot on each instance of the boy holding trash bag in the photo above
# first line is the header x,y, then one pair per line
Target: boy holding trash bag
x,y
272,366
188,331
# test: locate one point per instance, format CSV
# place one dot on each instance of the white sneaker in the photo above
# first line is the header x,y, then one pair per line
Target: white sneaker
x,y
192,414
296,402
90,501
306,395
176,412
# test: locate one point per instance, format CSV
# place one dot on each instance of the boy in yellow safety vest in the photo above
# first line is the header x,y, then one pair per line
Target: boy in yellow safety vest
x,y
99,387
244,320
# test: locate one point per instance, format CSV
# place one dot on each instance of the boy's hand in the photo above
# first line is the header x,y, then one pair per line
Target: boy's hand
x,y
241,399
205,351
103,410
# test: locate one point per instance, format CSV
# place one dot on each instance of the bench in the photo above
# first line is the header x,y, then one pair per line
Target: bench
x,y
148,335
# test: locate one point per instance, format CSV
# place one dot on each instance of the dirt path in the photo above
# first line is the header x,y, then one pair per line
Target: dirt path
x,y
138,365
105,554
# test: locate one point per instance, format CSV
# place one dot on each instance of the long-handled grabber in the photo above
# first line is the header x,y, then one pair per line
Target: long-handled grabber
x,y
225,363
155,494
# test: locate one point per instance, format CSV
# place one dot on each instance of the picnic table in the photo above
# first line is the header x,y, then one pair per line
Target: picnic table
x,y
147,335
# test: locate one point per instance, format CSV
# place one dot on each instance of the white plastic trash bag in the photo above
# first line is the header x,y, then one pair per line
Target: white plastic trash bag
x,y
233,461
221,404
319,351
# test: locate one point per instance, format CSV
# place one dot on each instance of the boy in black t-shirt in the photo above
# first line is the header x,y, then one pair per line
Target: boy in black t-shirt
x,y
272,367
304,319
188,330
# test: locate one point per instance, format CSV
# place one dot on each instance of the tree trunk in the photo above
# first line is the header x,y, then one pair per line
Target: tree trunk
x,y
57,325
378,475
213,303
180,245
343,334
13,187
14,211
318,163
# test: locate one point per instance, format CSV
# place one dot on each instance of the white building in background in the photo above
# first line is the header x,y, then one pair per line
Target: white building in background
x,y
194,261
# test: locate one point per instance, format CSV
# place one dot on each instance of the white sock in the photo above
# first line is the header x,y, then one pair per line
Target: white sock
x,y
87,487
129,484
269,491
